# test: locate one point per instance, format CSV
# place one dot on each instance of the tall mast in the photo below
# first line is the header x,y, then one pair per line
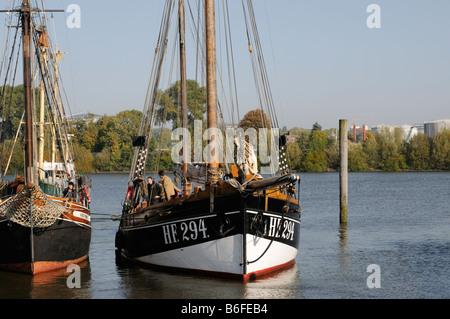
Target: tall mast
x,y
43,45
184,106
26,35
211,87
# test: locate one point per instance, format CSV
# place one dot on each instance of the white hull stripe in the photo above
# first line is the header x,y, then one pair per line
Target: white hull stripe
x,y
63,219
75,222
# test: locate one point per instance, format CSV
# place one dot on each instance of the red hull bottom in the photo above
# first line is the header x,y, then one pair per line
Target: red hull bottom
x,y
267,271
40,266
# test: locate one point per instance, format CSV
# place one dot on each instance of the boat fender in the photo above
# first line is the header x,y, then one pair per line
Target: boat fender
x,y
87,194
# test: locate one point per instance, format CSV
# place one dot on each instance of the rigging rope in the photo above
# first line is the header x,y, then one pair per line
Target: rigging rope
x,y
259,66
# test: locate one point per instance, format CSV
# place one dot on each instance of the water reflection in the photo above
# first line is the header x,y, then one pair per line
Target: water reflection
x,y
343,239
137,282
343,246
279,285
49,285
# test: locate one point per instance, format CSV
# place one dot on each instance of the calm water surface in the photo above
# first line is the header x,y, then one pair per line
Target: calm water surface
x,y
398,221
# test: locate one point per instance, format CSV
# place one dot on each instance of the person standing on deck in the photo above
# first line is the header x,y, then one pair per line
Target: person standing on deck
x,y
154,191
169,190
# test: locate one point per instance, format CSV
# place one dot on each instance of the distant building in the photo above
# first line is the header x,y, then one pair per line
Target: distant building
x,y
433,127
290,138
84,115
408,130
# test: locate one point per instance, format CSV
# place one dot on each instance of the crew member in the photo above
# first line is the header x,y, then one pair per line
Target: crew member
x,y
169,189
69,192
154,191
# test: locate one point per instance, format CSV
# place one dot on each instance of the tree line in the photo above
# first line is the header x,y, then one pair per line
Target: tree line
x,y
317,150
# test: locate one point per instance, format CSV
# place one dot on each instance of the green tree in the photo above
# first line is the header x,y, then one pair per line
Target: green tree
x,y
11,109
102,161
255,119
293,155
441,150
84,160
88,138
418,152
17,156
332,156
315,162
357,159
107,134
316,127
391,149
314,159
114,134
318,141
371,150
303,141
170,103
128,123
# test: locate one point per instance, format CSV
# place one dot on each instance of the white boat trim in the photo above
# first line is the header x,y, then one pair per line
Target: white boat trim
x,y
82,215
75,222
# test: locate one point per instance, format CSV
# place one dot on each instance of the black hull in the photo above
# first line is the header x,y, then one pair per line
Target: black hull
x,y
63,243
190,226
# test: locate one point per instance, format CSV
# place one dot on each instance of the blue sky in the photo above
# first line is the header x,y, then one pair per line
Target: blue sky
x,y
325,63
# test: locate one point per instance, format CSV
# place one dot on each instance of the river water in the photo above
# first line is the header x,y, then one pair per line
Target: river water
x,y
398,223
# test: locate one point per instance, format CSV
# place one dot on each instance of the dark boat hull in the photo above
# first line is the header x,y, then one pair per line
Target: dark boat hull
x,y
43,249
240,239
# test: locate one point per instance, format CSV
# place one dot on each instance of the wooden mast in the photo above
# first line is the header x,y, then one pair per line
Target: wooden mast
x,y
184,106
211,88
43,44
26,44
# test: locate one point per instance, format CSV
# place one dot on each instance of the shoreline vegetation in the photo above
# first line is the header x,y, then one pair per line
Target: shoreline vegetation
x,y
104,144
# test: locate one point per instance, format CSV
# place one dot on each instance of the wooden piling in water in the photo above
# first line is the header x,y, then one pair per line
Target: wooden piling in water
x,y
343,173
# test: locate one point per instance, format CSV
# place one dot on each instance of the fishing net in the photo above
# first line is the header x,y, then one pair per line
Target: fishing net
x,y
31,208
